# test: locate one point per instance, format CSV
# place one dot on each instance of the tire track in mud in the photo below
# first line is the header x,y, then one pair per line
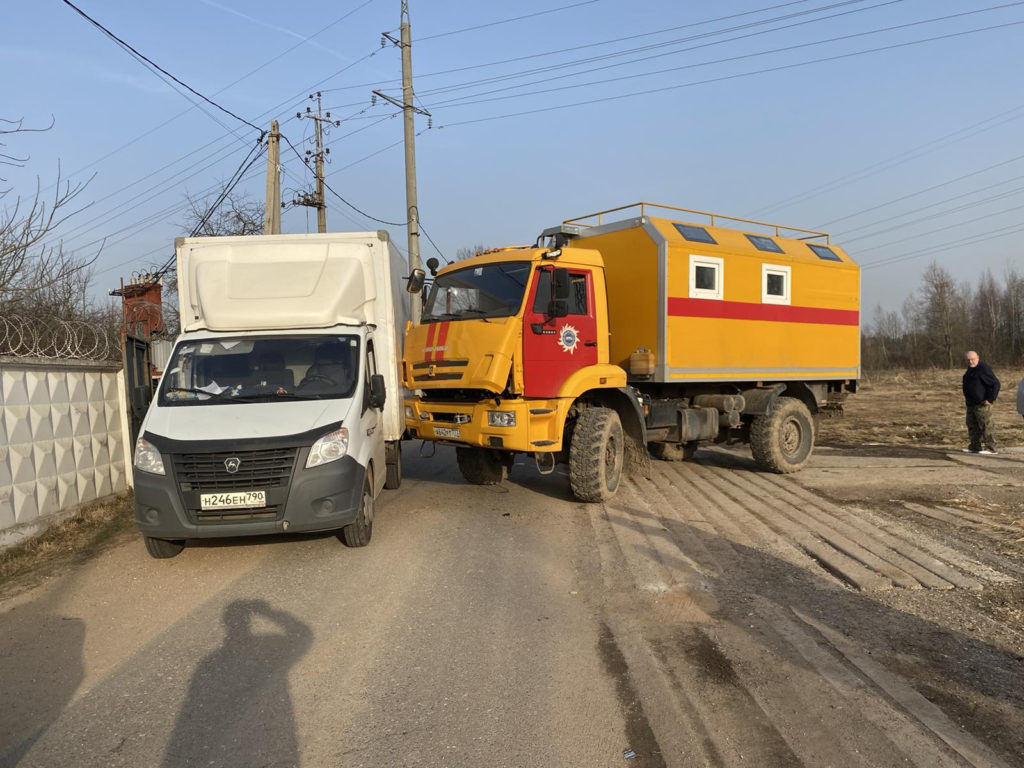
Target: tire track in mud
x,y
756,682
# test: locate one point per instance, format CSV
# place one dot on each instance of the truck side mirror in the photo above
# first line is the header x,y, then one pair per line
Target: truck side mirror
x,y
558,306
378,393
560,285
432,265
416,280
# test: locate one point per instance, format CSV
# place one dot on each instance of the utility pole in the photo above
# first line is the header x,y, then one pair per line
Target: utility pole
x,y
272,206
316,199
409,114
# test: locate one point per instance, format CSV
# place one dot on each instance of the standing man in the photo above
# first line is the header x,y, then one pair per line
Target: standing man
x,y
981,387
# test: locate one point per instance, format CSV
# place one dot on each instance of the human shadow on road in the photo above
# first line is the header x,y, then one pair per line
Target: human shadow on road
x,y
238,711
41,667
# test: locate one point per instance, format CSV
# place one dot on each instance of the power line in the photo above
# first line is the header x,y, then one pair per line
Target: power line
x,y
471,100
331,190
588,62
737,76
156,66
505,21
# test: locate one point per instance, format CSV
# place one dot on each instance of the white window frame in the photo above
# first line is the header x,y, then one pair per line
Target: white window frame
x,y
787,276
699,260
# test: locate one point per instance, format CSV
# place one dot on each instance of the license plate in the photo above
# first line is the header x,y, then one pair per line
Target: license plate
x,y
445,432
233,500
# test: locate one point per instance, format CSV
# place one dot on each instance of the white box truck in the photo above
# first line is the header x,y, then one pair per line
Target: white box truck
x,y
280,408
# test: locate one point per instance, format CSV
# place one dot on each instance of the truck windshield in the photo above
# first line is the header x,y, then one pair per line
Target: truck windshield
x,y
489,290
251,369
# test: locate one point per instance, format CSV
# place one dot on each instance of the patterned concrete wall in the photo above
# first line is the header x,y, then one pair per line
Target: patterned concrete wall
x,y
61,441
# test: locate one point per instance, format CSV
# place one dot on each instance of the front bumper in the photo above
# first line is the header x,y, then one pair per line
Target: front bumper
x,y
322,498
538,424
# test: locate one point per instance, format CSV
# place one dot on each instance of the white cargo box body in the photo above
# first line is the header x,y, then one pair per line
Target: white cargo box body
x,y
301,281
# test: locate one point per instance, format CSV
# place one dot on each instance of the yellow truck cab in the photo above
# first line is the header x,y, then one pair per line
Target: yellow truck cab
x,y
609,339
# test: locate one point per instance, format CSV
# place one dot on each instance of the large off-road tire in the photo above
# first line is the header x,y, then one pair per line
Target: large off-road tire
x,y
596,455
481,466
673,451
393,466
783,440
359,532
162,549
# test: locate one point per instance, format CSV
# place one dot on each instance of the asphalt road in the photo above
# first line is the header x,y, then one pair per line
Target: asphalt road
x,y
710,615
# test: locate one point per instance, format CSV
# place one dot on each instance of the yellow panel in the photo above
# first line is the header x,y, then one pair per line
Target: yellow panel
x,y
631,271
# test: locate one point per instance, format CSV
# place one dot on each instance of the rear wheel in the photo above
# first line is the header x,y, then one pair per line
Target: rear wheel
x,y
393,465
674,451
596,455
162,549
359,532
783,440
481,466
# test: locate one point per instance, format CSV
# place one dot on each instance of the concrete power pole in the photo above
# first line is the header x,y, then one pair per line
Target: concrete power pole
x,y
316,200
409,111
272,207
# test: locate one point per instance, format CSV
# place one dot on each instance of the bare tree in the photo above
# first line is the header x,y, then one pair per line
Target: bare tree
x,y
36,275
236,215
467,253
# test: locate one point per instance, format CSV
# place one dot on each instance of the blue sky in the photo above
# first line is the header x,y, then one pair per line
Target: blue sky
x,y
894,129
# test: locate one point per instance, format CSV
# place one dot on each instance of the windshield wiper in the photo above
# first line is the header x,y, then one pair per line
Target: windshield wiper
x,y
473,311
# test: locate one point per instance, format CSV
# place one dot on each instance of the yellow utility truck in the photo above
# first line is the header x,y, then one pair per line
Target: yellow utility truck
x,y
615,335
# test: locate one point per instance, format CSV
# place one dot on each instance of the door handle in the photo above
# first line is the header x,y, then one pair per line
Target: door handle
x,y
589,343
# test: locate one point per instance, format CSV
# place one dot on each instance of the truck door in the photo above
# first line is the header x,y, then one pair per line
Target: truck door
x,y
371,421
556,347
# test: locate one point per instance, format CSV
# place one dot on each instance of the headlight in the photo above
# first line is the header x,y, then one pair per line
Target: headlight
x,y
330,447
409,412
501,418
148,458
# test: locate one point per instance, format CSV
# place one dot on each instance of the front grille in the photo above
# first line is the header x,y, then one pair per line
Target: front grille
x,y
257,470
235,515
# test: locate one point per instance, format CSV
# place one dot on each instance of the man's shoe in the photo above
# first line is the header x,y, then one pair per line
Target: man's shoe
x,y
970,450
987,452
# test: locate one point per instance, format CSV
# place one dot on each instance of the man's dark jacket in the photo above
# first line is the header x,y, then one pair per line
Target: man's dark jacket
x,y
980,384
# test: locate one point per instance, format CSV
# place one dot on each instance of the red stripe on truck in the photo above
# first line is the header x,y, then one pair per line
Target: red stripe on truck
x,y
779,313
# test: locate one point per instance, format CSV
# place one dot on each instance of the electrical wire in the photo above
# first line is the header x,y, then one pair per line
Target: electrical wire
x,y
331,189
156,66
724,78
469,100
506,21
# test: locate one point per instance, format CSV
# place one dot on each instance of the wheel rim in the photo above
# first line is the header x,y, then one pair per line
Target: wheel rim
x,y
791,437
611,463
367,508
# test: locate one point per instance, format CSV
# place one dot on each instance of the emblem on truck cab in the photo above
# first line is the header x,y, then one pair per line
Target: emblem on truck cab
x,y
568,338
232,464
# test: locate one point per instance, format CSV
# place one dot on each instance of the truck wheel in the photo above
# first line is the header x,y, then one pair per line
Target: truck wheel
x,y
162,549
393,466
480,466
783,440
674,451
596,454
359,532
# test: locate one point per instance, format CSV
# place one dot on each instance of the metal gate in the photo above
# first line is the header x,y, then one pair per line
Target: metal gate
x,y
138,382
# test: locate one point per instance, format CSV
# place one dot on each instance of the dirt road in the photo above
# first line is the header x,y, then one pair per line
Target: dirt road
x,y
864,612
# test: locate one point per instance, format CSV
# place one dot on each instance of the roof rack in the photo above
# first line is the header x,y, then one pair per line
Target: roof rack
x,y
779,229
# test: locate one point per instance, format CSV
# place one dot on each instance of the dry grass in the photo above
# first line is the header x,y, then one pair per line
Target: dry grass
x,y
79,537
923,407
